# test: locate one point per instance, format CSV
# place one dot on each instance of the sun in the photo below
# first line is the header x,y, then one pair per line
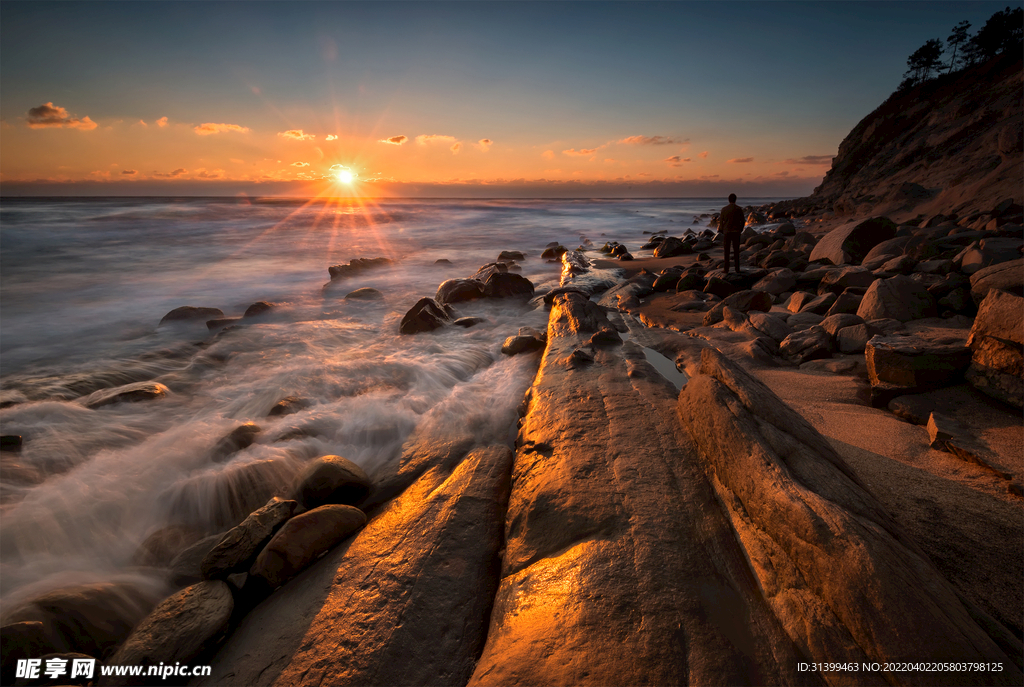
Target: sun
x,y
344,176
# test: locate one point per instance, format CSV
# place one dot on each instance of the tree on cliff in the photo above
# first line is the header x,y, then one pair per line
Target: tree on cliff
x,y
1003,32
923,61
957,38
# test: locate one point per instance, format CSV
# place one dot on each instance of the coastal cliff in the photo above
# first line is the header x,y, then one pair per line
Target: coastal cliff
x,y
951,145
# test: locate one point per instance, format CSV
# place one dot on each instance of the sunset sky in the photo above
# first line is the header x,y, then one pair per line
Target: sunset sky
x,y
445,99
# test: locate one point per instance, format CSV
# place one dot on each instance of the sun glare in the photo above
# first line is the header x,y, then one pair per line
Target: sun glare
x,y
345,177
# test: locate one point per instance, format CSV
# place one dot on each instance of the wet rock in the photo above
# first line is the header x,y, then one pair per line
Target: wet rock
x,y
511,255
160,547
288,406
799,508
185,568
854,338
720,287
10,442
19,641
459,291
468,321
331,479
690,279
239,438
996,342
258,308
515,345
190,312
426,315
667,281
237,549
424,567
626,256
606,336
223,499
92,618
364,294
777,282
222,322
671,247
302,539
900,365
851,242
357,266
508,285
129,393
442,261
553,252
1006,276
742,301
899,298
810,344
178,630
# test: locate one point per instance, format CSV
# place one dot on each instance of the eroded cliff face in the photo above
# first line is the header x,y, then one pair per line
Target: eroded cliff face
x,y
951,145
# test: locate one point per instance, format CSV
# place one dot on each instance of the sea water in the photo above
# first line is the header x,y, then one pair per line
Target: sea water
x,y
84,284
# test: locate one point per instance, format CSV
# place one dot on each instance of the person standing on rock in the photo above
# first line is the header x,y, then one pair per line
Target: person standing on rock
x,y
730,223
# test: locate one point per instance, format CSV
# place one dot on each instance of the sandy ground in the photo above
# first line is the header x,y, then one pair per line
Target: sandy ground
x,y
961,514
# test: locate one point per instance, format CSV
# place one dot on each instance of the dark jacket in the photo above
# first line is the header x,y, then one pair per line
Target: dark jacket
x,y
731,220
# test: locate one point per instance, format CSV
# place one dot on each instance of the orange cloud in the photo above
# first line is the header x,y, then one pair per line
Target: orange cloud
x,y
211,128
811,160
176,173
676,161
143,122
548,155
50,116
300,164
703,155
215,174
582,152
424,139
484,144
296,135
332,137
395,140
456,147
162,122
740,160
652,140
129,172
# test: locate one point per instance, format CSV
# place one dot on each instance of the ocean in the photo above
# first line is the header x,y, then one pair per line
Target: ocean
x,y
84,283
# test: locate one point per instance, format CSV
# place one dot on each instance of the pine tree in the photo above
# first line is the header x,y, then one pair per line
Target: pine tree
x,y
924,61
958,37
1003,32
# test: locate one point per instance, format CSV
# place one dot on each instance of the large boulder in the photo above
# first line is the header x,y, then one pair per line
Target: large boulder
x,y
893,246
426,315
997,345
672,247
331,479
179,630
741,301
459,290
854,338
899,365
898,298
813,343
302,540
507,285
851,242
777,282
775,328
838,281
236,550
1006,276
844,579
833,323
356,266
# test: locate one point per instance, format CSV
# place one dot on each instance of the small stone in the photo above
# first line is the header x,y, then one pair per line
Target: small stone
x,y
331,480
515,345
468,321
941,429
426,315
239,438
190,312
237,549
258,308
288,406
129,393
364,294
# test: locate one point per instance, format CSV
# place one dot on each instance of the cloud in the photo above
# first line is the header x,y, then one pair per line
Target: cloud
x,y
581,152
548,155
143,122
738,160
782,174
100,174
424,139
296,135
703,155
215,174
395,140
162,122
676,161
456,147
211,128
652,140
332,137
300,164
811,160
170,175
129,172
50,116
484,144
